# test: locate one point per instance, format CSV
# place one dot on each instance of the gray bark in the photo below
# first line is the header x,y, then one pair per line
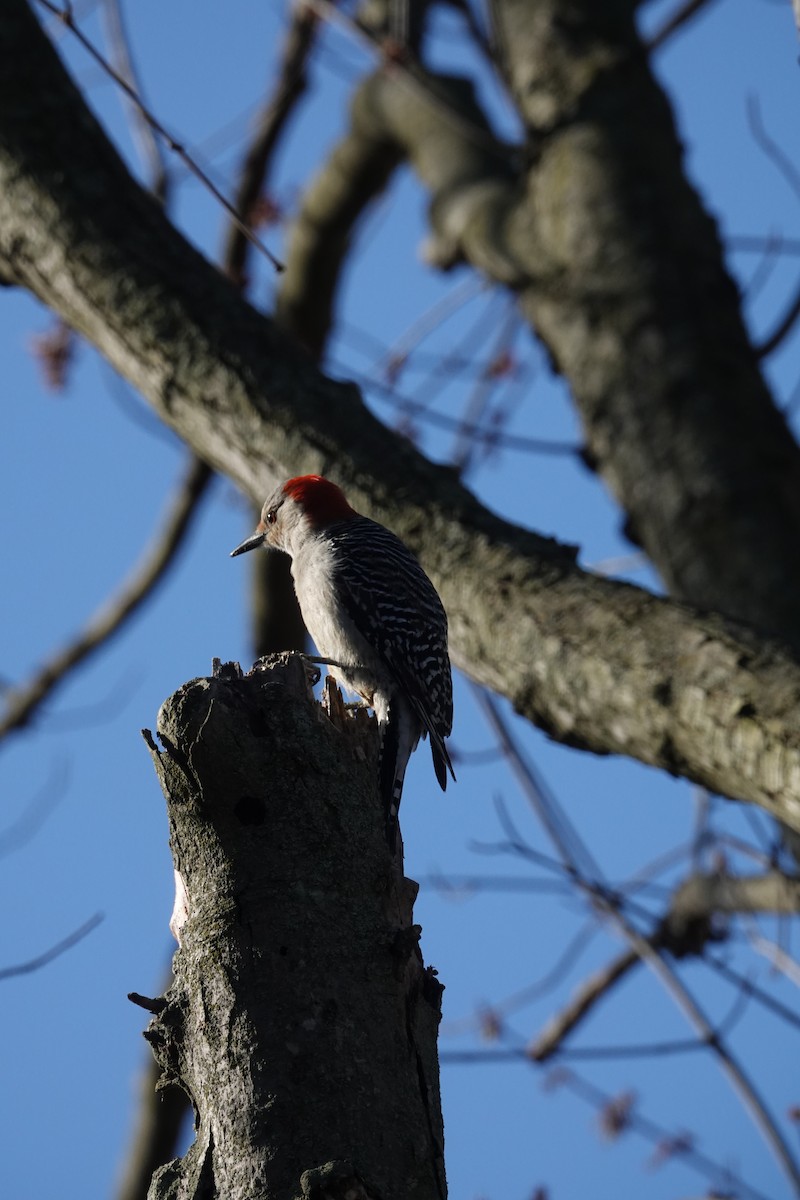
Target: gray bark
x,y
700,896
641,314
301,1020
619,270
597,664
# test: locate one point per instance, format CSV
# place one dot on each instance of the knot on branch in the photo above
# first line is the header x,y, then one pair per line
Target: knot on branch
x,y
335,1181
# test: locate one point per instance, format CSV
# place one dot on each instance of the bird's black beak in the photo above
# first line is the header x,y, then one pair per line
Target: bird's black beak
x,y
252,543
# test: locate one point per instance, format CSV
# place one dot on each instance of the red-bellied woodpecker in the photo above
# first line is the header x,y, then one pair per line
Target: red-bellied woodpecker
x,y
373,612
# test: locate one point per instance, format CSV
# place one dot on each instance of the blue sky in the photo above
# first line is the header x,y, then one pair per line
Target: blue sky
x,y
85,476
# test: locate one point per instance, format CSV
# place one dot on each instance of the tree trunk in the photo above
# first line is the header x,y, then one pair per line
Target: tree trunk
x,y
301,1021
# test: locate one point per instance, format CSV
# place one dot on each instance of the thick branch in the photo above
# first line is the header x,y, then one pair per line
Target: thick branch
x,y
620,271
299,975
598,664
636,305
701,896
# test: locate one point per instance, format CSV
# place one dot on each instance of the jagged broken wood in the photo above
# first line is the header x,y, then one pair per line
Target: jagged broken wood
x,y
301,1021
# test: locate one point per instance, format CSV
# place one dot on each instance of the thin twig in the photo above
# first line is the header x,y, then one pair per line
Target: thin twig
x,y
776,956
465,441
429,321
65,15
41,960
790,173
150,148
746,243
290,85
656,1135
532,991
551,1041
573,852
602,1101
468,885
579,863
761,997
764,269
767,144
593,989
675,21
22,703
406,352
420,410
782,330
19,832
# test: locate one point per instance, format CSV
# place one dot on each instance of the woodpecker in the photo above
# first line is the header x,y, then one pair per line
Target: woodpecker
x,y
374,614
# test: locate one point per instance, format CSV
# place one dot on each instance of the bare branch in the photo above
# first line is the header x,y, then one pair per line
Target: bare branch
x,y
791,175
675,21
777,956
470,424
532,991
774,152
760,243
653,1133
581,1004
704,895
151,149
782,330
36,812
748,987
42,960
288,88
626,1108
23,702
65,15
649,949
420,410
357,170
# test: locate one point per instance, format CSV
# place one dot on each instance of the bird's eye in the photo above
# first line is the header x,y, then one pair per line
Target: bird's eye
x,y
272,516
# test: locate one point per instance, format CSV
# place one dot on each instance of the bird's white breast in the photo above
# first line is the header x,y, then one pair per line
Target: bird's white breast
x,y
329,624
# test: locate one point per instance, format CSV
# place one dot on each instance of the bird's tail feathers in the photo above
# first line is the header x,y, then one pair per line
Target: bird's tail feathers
x,y
441,760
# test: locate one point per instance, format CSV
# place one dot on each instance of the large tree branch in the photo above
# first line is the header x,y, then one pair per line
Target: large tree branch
x,y
620,271
598,664
645,319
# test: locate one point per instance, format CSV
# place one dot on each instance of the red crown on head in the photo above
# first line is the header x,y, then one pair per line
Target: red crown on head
x,y
322,501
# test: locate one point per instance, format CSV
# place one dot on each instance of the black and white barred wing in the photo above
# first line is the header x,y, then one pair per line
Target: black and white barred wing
x,y
397,609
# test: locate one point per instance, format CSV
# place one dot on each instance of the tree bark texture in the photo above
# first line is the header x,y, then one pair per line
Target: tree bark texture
x,y
301,1021
597,664
619,270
